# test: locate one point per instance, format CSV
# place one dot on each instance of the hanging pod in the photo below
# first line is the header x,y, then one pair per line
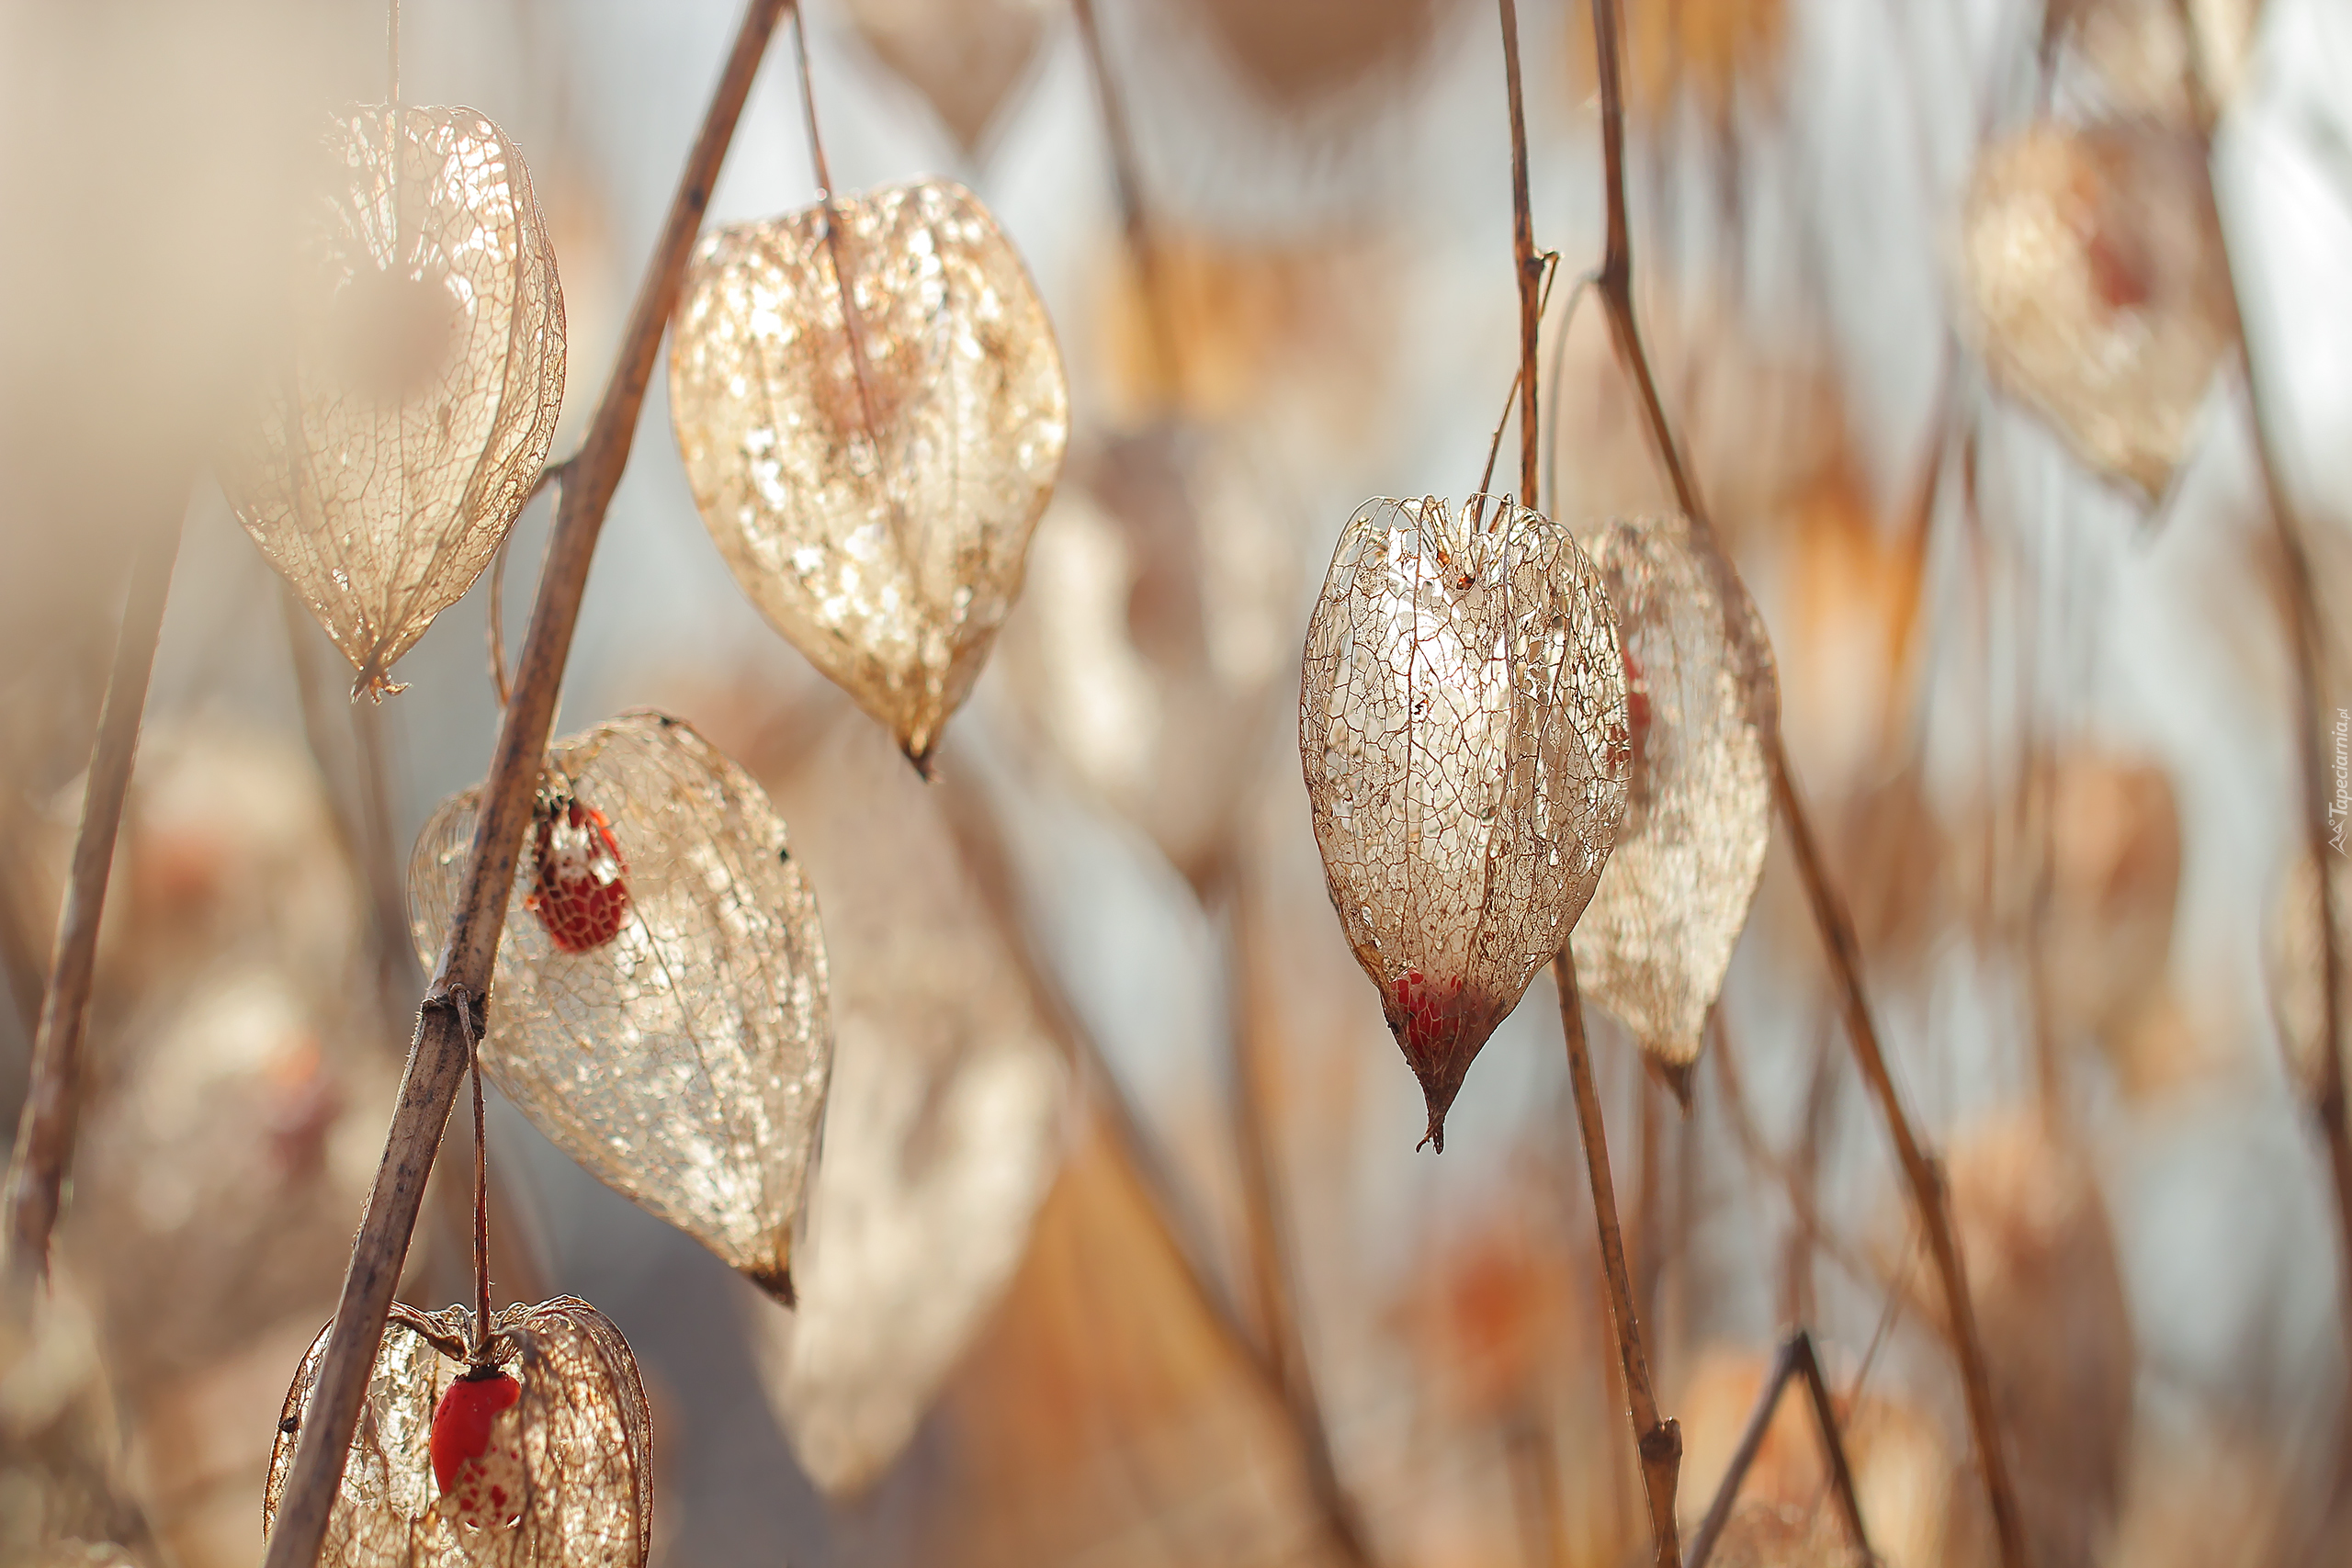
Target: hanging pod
x,y
871,478
411,414
1463,727
2095,289
536,1452
1656,942
658,1008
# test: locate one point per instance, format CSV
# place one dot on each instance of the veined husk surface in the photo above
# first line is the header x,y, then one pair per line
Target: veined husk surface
x,y
580,1428
684,1060
412,415
1654,946
871,478
1463,728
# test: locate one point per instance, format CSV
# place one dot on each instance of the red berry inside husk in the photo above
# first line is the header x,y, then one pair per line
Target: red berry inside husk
x,y
578,891
482,1486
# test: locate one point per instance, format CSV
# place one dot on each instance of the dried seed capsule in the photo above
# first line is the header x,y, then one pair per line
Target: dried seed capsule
x,y
2098,294
1462,725
541,1458
873,486
668,1028
1654,947
392,451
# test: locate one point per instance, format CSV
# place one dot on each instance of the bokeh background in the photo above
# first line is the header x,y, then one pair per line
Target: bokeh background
x,y
2046,729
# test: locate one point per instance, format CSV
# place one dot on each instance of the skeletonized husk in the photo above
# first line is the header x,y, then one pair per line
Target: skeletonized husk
x,y
1654,946
943,1123
416,410
2098,294
581,1426
874,490
1462,725
683,1061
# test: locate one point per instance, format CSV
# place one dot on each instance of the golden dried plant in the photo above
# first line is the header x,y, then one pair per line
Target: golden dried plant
x,y
2097,291
964,56
1463,727
1658,939
413,414
871,478
659,1004
575,1444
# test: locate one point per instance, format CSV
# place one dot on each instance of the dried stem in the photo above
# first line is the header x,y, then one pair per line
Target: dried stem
x,y
1657,1439
439,1055
1530,265
53,1096
1128,182
482,1195
2306,647
1830,915
1273,1240
1796,1360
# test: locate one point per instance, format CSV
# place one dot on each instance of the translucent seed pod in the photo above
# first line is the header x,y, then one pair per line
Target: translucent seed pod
x,y
2095,289
1654,947
394,444
658,1008
873,486
1462,725
571,1456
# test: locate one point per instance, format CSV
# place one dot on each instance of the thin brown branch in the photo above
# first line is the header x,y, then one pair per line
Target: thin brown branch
x,y
1128,180
1830,915
1273,1240
1658,1440
53,1096
1529,265
1796,1360
439,1056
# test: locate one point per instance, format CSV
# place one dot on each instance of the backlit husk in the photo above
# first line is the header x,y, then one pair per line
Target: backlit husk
x,y
580,1424
1463,728
414,414
683,1061
1654,944
872,490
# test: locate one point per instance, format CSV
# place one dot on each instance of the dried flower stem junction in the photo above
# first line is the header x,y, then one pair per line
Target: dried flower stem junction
x,y
438,1058
1830,914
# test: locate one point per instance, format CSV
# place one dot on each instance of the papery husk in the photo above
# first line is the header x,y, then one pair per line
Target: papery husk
x,y
964,56
684,1062
1654,944
414,412
873,489
581,1425
2097,291
1462,729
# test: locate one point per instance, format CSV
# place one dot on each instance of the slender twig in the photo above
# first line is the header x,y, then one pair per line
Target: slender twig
x,y
53,1096
1796,1360
2306,649
387,889
1657,1439
1831,917
481,1187
439,1056
1524,259
1273,1241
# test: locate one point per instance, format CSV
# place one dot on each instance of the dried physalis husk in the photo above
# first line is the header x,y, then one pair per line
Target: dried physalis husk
x,y
1700,689
944,1125
2097,291
2180,61
1462,725
555,1469
1761,1534
393,449
873,488
659,1008
965,56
